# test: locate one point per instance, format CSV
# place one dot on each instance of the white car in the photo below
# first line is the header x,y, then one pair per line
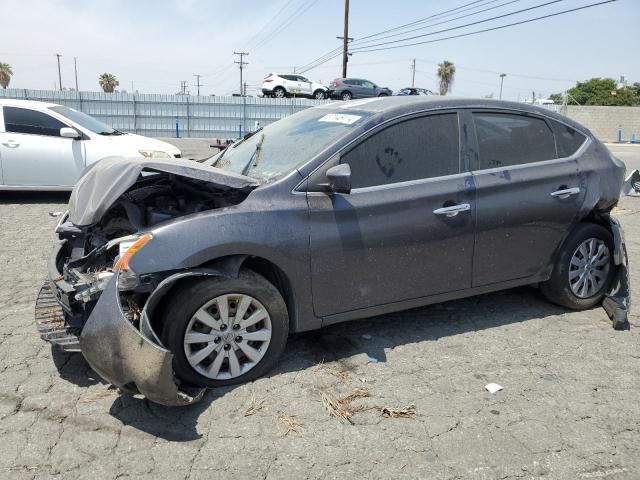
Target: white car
x,y
44,146
281,85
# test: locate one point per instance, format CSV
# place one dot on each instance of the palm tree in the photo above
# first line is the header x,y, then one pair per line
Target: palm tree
x,y
446,72
108,82
5,74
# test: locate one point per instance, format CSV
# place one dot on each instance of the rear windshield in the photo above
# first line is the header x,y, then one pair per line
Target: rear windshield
x,y
279,148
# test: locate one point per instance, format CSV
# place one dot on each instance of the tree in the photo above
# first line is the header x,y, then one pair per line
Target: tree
x,y
446,72
108,82
557,98
5,74
604,91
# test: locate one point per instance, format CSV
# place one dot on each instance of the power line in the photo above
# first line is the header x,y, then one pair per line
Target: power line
x,y
335,52
489,29
443,22
463,26
249,44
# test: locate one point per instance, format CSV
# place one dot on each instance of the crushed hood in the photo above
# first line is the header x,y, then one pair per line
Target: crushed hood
x,y
105,181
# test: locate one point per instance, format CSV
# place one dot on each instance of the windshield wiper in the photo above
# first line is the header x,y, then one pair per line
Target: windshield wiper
x,y
234,145
255,157
113,132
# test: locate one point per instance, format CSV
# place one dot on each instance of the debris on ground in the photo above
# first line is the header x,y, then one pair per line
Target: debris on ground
x,y
393,412
342,408
493,387
366,336
372,359
288,422
337,370
631,186
254,406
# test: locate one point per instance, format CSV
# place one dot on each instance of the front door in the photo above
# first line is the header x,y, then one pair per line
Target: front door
x,y
406,229
526,197
34,154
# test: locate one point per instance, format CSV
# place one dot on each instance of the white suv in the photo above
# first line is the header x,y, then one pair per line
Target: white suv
x,y
280,85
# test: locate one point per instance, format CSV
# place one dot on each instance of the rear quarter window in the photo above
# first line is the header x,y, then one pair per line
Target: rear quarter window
x,y
568,139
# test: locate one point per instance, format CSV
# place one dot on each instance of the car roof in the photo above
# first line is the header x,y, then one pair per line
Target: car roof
x,y
393,106
15,102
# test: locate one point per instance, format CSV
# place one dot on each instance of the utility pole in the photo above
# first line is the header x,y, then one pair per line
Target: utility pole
x,y
183,87
59,73
75,69
244,89
242,63
197,75
345,39
413,73
502,75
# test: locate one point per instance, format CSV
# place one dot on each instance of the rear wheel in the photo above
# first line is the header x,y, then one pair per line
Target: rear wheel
x,y
224,331
346,96
279,92
583,270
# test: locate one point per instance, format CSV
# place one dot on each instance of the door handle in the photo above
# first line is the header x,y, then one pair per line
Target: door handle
x,y
453,210
11,144
566,192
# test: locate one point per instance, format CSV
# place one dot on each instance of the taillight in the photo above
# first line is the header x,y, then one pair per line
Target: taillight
x,y
336,83
267,80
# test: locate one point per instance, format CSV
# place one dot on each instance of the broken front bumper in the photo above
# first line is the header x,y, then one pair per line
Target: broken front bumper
x,y
111,344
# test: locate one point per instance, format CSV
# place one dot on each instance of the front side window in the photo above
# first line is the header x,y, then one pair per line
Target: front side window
x,y
506,139
24,120
414,149
368,84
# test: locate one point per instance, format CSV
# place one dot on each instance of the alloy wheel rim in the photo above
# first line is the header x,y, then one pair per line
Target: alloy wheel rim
x,y
589,268
279,93
227,336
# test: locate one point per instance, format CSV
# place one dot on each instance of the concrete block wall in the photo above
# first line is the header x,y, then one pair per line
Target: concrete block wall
x,y
604,122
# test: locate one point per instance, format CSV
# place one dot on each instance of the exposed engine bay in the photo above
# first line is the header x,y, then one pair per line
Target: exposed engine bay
x,y
88,256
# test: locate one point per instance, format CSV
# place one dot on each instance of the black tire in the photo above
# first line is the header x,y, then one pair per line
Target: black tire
x,y
558,288
319,95
279,92
346,96
383,95
187,299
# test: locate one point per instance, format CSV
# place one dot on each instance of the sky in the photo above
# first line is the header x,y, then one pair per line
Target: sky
x,y
150,46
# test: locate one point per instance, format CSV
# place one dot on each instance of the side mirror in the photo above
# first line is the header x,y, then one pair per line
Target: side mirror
x,y
340,178
68,132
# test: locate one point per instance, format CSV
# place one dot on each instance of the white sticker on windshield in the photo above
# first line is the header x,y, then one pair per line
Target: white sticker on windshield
x,y
340,118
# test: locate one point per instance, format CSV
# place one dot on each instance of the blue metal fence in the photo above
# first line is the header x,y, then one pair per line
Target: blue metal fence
x,y
171,115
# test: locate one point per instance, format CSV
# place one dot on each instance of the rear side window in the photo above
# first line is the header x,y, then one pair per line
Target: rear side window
x,y
24,120
568,139
419,148
510,139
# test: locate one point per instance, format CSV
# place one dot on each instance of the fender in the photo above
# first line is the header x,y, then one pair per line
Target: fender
x,y
617,302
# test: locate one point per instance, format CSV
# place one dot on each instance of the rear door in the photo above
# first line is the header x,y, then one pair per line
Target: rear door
x,y
527,196
34,154
390,240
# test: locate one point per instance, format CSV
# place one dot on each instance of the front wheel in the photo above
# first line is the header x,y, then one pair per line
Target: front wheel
x,y
583,270
224,331
319,95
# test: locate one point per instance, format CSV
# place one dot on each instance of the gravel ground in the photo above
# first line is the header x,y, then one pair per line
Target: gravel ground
x,y
568,410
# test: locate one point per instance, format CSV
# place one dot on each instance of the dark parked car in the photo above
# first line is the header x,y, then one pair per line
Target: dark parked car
x,y
414,91
193,275
348,88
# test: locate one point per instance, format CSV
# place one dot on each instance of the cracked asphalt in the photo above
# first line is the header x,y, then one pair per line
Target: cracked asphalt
x,y
569,408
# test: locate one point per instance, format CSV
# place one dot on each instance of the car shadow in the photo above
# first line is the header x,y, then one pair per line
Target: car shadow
x,y
8,197
372,336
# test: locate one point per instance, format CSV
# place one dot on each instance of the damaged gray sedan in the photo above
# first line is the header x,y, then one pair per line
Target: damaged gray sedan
x,y
172,277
